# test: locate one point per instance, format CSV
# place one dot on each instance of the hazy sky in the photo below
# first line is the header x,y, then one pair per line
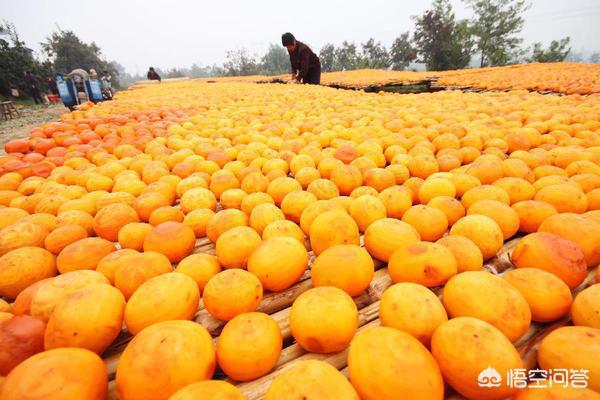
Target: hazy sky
x,y
178,33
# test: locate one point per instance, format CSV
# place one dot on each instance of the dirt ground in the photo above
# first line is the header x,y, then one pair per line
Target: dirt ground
x,y
30,118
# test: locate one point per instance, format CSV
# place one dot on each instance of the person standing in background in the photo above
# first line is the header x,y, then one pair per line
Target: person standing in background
x,y
306,67
32,86
106,85
152,75
52,85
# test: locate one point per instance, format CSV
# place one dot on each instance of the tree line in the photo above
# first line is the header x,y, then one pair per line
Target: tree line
x,y
491,37
62,52
439,40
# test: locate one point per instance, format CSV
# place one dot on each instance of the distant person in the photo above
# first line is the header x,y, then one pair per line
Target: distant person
x,y
93,74
79,76
153,75
52,85
106,85
306,67
33,88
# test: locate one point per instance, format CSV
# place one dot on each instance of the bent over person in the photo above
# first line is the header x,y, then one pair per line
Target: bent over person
x,y
153,75
306,67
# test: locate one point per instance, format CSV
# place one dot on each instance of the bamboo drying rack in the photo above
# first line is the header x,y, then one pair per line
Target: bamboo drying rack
x,y
278,305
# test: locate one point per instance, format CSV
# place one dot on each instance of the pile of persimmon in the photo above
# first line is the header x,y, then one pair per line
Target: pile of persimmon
x,y
563,77
188,204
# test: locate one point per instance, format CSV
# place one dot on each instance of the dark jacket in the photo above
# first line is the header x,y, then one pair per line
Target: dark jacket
x,y
303,59
31,81
153,76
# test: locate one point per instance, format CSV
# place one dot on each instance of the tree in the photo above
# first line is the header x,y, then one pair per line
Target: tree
x,y
441,42
373,55
346,56
556,52
215,70
575,56
15,60
67,52
495,26
175,73
276,61
402,52
239,63
327,56
200,71
595,58
461,45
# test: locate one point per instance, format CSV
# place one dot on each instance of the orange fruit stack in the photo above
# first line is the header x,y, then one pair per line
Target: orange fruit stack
x,y
269,214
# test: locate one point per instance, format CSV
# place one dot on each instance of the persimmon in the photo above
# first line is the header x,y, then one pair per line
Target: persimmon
x,y
110,219
232,292
160,344
283,228
294,203
481,295
585,310
331,228
553,254
323,319
85,253
23,267
347,267
213,389
225,220
22,234
171,296
467,254
165,214
585,232
396,199
82,368
91,319
378,369
148,202
173,239
264,214
111,262
132,235
312,378
450,346
481,230
430,222
135,269
426,263
569,346
278,262
532,213
386,235
234,246
506,218
249,346
20,338
200,267
412,308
